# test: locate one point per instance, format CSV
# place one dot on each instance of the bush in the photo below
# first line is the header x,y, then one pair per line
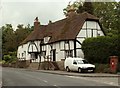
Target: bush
x,y
102,68
9,58
98,50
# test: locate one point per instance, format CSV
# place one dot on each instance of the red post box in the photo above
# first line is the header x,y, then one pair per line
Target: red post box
x,y
113,64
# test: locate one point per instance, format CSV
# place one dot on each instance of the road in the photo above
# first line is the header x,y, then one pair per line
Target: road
x,y
22,77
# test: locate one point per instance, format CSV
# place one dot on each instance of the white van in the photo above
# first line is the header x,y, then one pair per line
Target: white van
x,y
78,64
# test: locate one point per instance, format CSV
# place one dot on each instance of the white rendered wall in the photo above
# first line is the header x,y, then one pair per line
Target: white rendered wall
x,y
23,49
86,32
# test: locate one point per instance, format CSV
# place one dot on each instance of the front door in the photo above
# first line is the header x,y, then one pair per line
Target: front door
x,y
54,55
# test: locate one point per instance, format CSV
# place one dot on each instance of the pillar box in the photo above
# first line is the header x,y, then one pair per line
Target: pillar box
x,y
113,64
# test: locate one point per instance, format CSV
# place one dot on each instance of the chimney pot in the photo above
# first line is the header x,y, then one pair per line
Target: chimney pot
x,y
36,23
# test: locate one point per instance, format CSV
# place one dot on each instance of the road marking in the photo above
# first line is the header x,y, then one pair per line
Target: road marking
x,y
54,85
94,80
0,84
45,81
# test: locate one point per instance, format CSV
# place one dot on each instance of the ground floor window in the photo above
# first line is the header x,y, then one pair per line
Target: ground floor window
x,y
43,53
69,53
34,55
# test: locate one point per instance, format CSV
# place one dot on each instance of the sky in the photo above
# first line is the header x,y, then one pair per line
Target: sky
x,y
25,11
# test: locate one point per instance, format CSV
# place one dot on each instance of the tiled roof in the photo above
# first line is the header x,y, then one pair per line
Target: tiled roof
x,y
64,29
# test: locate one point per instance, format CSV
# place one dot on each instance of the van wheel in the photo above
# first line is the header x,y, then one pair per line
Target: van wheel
x,y
67,69
79,70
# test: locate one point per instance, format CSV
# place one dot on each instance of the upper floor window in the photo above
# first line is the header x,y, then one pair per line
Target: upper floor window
x,y
66,42
46,39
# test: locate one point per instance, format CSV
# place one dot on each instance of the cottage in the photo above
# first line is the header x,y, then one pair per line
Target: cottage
x,y
60,39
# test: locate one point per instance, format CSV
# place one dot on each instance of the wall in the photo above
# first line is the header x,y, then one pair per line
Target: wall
x,y
22,52
89,29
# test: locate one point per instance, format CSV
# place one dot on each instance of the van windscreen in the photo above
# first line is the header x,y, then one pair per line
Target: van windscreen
x,y
82,62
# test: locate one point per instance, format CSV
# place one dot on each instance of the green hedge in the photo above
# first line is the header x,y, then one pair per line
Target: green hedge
x,y
10,57
98,50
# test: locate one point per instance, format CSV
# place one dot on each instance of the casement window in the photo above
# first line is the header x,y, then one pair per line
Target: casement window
x,y
69,53
34,55
66,42
22,55
43,53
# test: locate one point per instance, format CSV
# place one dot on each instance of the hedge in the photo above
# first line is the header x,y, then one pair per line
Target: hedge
x,y
99,49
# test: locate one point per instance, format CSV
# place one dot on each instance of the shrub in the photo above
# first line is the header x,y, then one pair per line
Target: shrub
x,y
9,58
100,68
98,50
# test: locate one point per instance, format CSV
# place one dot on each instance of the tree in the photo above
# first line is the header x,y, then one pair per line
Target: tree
x,y
12,39
108,12
87,7
80,7
7,38
75,5
21,33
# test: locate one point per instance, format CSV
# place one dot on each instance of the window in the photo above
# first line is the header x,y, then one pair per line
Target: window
x,y
80,61
34,55
74,62
92,33
43,53
22,54
66,42
69,53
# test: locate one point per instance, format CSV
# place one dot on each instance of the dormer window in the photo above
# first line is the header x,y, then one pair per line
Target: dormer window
x,y
46,39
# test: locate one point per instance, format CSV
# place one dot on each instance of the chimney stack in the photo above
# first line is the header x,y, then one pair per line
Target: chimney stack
x,y
36,23
71,11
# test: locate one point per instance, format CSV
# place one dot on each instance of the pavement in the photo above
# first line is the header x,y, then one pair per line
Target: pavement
x,y
78,74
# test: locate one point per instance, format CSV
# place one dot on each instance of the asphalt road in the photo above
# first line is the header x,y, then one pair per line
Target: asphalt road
x,y
21,77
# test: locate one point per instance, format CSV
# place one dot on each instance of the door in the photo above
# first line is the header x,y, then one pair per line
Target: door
x,y
54,55
74,65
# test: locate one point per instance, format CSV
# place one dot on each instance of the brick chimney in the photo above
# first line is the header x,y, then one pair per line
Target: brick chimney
x,y
71,11
36,24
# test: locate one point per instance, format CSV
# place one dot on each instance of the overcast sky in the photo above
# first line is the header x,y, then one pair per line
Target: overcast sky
x,y
24,11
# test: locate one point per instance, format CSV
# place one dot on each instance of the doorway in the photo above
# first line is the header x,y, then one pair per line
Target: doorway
x,y
54,55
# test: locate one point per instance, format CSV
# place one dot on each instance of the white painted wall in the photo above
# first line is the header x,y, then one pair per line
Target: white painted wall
x,y
89,25
23,52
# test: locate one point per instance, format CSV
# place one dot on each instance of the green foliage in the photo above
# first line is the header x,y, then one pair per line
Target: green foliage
x,y
7,58
75,5
11,40
102,68
98,50
87,7
10,57
107,12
